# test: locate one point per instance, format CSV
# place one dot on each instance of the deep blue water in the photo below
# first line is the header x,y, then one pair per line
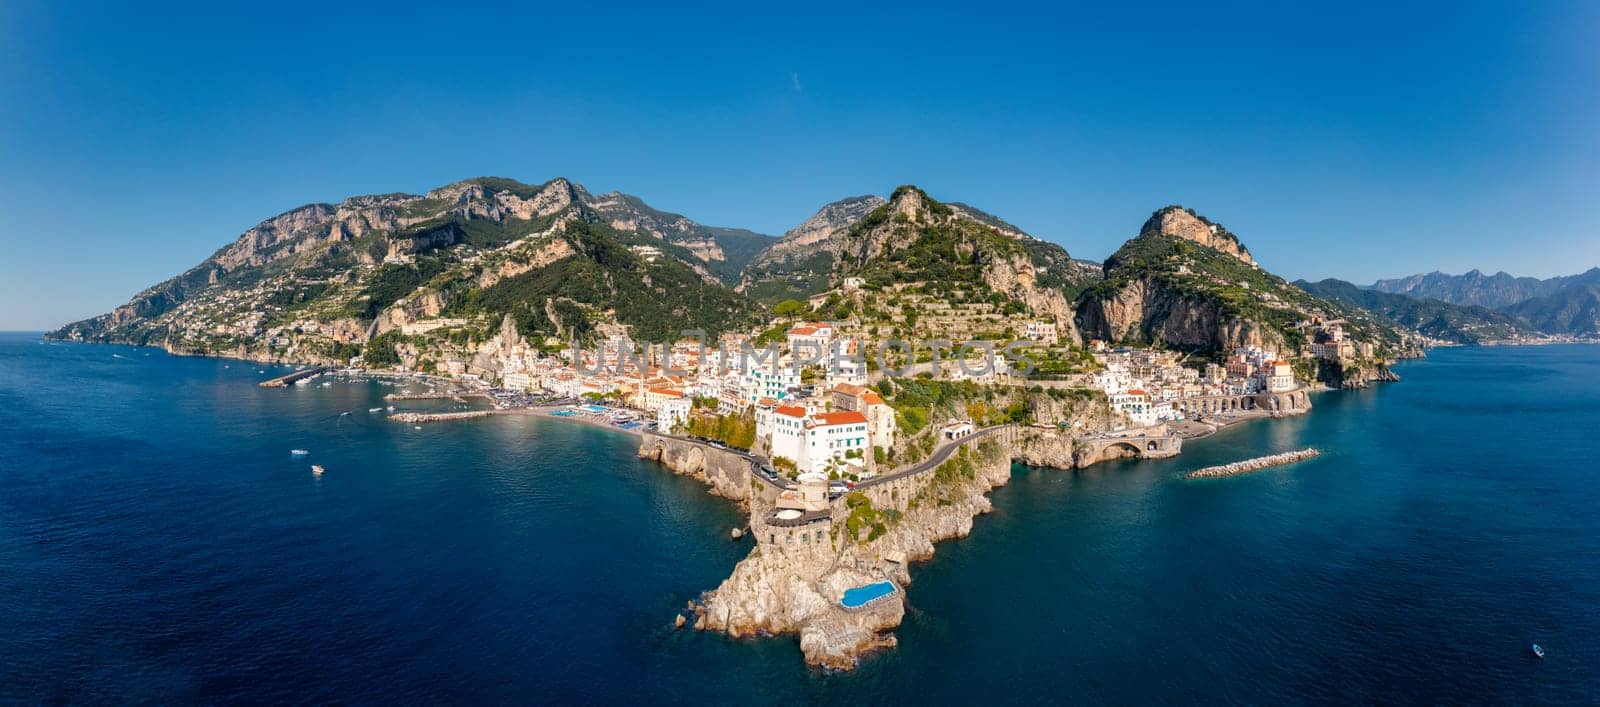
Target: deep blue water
x,y
159,544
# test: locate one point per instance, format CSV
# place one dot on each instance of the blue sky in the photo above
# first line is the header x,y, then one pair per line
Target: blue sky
x,y
1372,141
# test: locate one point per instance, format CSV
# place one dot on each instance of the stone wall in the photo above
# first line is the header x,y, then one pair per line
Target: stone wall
x,y
726,472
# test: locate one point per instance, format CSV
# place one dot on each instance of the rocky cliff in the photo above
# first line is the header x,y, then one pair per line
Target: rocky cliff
x,y
1188,283
1178,222
960,255
800,262
320,282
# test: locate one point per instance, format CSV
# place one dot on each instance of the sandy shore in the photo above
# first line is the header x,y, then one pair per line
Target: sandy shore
x,y
1192,429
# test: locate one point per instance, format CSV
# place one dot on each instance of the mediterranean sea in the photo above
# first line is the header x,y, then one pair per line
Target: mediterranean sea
x,y
159,544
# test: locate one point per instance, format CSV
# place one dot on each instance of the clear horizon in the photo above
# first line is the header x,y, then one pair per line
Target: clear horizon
x,y
1374,144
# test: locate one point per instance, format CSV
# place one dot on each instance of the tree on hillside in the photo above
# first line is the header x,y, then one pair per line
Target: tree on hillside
x,y
789,308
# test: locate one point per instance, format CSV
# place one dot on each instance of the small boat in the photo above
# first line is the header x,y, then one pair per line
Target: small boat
x,y
416,427
316,469
299,452
342,414
1538,651
374,409
390,408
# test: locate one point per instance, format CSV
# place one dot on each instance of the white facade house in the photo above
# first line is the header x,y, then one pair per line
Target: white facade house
x,y
810,338
1136,405
767,382
1280,377
672,414
517,381
1042,332
821,442
654,398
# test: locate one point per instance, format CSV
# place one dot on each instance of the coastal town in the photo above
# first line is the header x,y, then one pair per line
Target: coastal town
x,y
810,402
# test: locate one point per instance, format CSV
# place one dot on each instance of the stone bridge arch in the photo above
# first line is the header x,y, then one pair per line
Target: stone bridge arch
x,y
1120,450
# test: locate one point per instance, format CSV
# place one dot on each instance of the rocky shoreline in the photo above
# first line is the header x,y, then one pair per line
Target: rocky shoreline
x,y
794,577
1253,465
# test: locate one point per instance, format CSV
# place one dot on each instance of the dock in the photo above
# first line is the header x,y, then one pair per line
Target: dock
x,y
292,378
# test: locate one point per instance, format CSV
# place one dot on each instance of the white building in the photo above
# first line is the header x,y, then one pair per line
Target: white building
x,y
654,398
810,339
1042,332
517,381
1280,377
672,414
822,442
1136,405
767,382
881,425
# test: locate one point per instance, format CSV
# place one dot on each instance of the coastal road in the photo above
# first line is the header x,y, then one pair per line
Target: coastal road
x,y
941,454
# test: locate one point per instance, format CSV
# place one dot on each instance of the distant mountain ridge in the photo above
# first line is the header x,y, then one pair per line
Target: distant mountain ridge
x,y
1573,310
1556,305
1475,288
1463,324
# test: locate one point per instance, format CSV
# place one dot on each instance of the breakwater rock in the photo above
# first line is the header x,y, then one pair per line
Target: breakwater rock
x,y
1251,465
411,417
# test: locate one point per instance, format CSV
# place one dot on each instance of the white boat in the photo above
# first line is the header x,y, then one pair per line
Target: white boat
x,y
390,408
299,452
316,469
1538,651
374,409
416,427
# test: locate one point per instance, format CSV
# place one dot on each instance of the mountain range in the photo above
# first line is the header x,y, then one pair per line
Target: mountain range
x,y
1557,305
430,276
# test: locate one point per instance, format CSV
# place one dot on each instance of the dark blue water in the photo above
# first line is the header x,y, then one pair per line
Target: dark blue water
x,y
158,544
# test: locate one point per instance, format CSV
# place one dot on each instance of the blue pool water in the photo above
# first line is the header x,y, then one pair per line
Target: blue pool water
x,y
859,596
158,544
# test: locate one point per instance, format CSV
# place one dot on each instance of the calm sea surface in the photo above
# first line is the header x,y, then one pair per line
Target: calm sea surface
x,y
159,544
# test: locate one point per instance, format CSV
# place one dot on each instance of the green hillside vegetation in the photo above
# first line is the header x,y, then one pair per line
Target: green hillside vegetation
x,y
658,299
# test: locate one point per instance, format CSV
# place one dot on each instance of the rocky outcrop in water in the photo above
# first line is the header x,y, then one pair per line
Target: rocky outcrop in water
x,y
1252,465
793,580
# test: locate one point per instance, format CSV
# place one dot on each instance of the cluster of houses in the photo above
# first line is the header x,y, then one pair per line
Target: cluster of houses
x,y
1330,343
1143,384
812,410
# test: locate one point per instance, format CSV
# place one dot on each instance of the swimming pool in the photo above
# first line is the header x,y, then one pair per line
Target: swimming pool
x,y
563,413
594,408
858,597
